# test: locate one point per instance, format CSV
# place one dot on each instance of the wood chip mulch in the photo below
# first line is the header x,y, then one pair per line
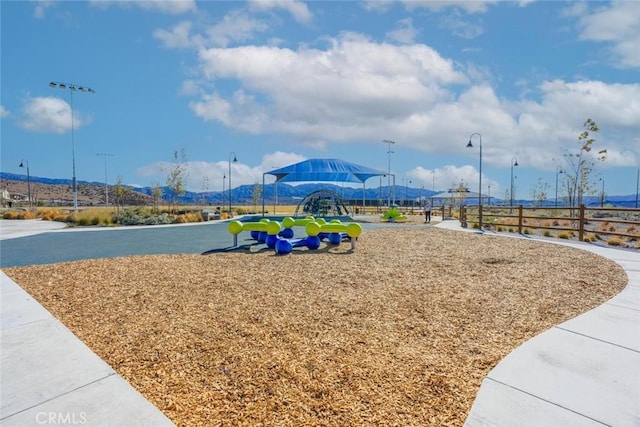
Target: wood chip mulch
x,y
400,331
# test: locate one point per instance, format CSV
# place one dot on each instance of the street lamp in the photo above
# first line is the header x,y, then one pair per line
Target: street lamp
x,y
224,177
72,88
637,185
470,145
514,162
602,194
558,171
235,160
106,185
389,152
22,162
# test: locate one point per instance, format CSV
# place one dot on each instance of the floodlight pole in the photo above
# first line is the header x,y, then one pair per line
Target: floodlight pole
x,y
389,152
72,88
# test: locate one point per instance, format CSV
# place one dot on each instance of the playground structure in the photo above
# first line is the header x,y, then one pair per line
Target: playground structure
x,y
280,236
393,215
322,203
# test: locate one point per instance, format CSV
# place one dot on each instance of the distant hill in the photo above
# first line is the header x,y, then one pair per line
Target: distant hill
x,y
92,193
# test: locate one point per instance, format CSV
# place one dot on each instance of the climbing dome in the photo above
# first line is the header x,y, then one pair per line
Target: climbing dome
x,y
322,203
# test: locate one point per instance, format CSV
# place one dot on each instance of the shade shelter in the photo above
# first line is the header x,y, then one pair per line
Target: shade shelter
x,y
323,170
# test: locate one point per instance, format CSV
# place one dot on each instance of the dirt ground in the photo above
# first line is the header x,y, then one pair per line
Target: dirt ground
x,y
400,331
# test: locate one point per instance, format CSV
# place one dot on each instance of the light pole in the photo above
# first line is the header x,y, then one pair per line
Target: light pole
x,y
602,194
235,160
514,162
489,195
106,185
72,88
558,171
389,152
470,145
224,177
22,162
275,188
637,185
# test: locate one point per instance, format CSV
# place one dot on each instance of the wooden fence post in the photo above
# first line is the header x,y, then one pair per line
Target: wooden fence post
x,y
520,219
581,224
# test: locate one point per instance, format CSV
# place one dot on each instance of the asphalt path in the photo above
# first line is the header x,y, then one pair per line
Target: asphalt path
x,y
74,244
71,245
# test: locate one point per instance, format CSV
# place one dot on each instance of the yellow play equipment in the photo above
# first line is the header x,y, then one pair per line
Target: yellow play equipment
x,y
393,215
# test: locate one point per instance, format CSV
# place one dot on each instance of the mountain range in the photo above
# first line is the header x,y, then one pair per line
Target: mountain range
x,y
93,193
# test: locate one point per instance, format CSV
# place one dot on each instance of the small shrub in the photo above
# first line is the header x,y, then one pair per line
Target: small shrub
x,y
564,235
10,215
26,215
500,228
631,229
546,233
526,231
84,221
95,220
590,238
615,241
475,225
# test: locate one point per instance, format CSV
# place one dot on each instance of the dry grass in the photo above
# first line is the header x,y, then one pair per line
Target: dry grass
x,y
399,332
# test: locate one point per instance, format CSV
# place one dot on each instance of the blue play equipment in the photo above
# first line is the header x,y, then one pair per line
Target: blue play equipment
x,y
274,233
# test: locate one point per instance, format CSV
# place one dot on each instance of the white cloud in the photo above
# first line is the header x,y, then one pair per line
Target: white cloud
x,y
41,8
460,26
342,93
404,33
451,176
617,24
49,114
356,90
297,9
4,112
467,6
170,7
178,37
236,26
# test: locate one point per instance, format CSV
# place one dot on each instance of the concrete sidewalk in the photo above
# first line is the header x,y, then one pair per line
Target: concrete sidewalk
x,y
583,372
48,376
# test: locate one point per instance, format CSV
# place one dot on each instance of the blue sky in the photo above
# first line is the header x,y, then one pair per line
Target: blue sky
x,y
277,82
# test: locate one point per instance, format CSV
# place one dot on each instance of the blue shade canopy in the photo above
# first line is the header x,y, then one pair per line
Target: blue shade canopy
x,y
324,170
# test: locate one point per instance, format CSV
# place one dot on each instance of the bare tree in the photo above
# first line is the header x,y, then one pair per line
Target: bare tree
x,y
539,192
156,192
578,179
121,193
257,193
177,178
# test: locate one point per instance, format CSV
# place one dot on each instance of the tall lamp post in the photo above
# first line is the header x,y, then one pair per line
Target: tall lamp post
x,y
235,160
106,182
22,162
72,88
602,194
558,171
470,145
514,162
389,152
637,185
224,177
